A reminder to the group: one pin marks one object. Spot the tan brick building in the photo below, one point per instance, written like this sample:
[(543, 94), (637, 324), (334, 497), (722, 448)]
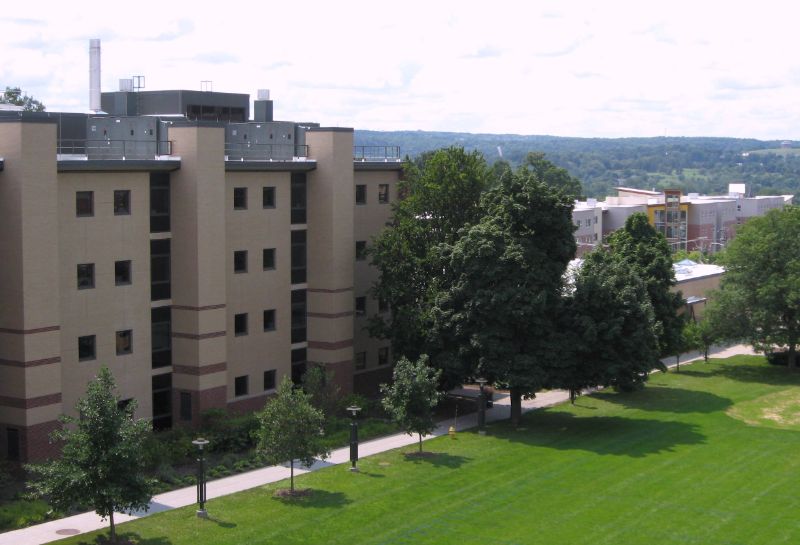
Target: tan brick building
[(200, 265)]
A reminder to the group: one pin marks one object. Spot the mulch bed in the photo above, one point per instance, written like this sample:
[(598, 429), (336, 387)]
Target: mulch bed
[(296, 493), (423, 454)]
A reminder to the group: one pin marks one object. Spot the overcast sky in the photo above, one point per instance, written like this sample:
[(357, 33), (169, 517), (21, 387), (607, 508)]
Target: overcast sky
[(567, 68)]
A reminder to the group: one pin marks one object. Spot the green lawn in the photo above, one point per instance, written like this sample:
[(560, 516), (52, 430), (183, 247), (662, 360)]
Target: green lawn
[(676, 463)]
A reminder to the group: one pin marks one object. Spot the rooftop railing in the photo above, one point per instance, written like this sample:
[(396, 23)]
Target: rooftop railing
[(115, 149), (376, 153), (249, 151)]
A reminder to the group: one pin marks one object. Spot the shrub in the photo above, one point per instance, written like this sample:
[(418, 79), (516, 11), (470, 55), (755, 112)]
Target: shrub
[(19, 513), (778, 358), (228, 433)]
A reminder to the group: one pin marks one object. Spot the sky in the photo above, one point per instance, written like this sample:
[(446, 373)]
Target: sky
[(584, 68)]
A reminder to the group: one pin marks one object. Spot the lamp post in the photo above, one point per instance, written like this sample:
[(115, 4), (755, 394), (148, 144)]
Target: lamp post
[(481, 406), (201, 477), (353, 437)]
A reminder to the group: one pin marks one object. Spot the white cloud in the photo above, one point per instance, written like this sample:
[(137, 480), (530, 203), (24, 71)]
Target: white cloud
[(583, 68)]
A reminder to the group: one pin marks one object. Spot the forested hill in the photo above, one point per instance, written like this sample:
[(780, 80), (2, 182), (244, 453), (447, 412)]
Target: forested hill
[(702, 165)]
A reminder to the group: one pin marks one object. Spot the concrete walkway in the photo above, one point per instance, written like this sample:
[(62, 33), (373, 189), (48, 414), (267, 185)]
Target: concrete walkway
[(87, 522)]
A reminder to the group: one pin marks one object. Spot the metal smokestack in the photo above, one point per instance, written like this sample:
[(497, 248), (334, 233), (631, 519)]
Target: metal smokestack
[(94, 76)]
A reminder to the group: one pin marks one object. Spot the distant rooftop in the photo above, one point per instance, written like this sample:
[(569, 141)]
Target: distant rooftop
[(689, 270)]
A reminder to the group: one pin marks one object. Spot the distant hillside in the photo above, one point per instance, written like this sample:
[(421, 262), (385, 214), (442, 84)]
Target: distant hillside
[(703, 165)]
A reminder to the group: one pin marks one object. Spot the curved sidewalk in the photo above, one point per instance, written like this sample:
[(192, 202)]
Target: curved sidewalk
[(88, 522)]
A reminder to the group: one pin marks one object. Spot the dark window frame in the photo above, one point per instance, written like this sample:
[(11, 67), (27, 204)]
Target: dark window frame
[(239, 261), (90, 346), (240, 198), (241, 386), (268, 196), (122, 202), (361, 199), (268, 259), (269, 319), (240, 324), (383, 194), (270, 380), (121, 335), (361, 250), (88, 269), (360, 306), (129, 273), (82, 209)]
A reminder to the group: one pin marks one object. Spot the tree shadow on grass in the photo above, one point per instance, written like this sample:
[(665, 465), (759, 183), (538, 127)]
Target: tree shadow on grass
[(222, 523), (606, 435), (664, 399), (760, 374), (128, 538), (438, 459), (319, 499)]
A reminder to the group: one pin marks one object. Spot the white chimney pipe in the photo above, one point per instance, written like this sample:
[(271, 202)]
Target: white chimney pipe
[(94, 75)]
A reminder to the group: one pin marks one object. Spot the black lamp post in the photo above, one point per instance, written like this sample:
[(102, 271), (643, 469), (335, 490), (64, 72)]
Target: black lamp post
[(201, 477), (353, 437), (481, 406)]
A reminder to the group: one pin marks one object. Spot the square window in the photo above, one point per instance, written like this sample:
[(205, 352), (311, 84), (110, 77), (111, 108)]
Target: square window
[(268, 258), (383, 193), (269, 320), (269, 380), (122, 272), (124, 342), (240, 324), (86, 348), (240, 261), (240, 386), (361, 250), (240, 198), (84, 203), (383, 356), (85, 276), (361, 361), (361, 194), (268, 197), (122, 202), (361, 305)]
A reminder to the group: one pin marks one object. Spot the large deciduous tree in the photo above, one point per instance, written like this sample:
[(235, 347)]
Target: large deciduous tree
[(412, 395), (759, 297), (102, 462), (439, 197), (14, 95), (291, 428), (498, 303), (609, 329), (639, 246), (554, 176)]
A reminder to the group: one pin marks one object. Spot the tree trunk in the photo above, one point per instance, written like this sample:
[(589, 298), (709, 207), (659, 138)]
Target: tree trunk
[(291, 475), (705, 353), (420, 443), (678, 363), (113, 528), (516, 406), (572, 395), (792, 357)]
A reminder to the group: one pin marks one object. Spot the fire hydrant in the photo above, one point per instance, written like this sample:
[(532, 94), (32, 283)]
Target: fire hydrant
[(452, 432)]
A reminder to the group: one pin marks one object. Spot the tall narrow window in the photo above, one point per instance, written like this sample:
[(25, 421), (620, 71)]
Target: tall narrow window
[(268, 197), (268, 258), (269, 380), (161, 387), (269, 320), (240, 324), (86, 348), (122, 273), (85, 276), (361, 194), (159, 202), (122, 202), (383, 193), (240, 198), (361, 250), (298, 197), (160, 275), (298, 257), (240, 261), (298, 316), (240, 386), (12, 438), (124, 342), (186, 406), (84, 203), (161, 335), (361, 305)]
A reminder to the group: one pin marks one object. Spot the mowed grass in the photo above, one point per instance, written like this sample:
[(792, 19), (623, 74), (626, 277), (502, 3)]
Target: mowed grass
[(666, 465)]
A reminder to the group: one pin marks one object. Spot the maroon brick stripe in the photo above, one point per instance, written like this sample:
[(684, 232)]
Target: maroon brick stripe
[(200, 337), (201, 370), (30, 403), (322, 345), (321, 290), (30, 331), (33, 363), (329, 315), (198, 309)]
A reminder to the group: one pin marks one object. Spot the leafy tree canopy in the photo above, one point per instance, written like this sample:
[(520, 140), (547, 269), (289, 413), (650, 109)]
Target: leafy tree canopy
[(646, 252), (412, 395), (102, 462), (14, 95), (554, 176), (290, 428), (759, 298)]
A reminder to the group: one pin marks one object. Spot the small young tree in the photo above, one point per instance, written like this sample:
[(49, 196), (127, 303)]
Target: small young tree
[(413, 394), (290, 428), (102, 462)]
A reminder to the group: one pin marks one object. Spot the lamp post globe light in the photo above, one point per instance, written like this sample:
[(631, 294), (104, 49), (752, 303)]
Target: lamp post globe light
[(481, 406), (200, 443), (353, 436)]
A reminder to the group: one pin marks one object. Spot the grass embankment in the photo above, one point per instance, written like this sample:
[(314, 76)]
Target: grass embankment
[(672, 464)]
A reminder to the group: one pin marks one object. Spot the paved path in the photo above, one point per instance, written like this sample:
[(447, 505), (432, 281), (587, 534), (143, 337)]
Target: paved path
[(87, 522)]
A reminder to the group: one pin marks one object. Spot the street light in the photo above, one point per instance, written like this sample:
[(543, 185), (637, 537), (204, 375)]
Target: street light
[(481, 406), (353, 436), (201, 477)]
